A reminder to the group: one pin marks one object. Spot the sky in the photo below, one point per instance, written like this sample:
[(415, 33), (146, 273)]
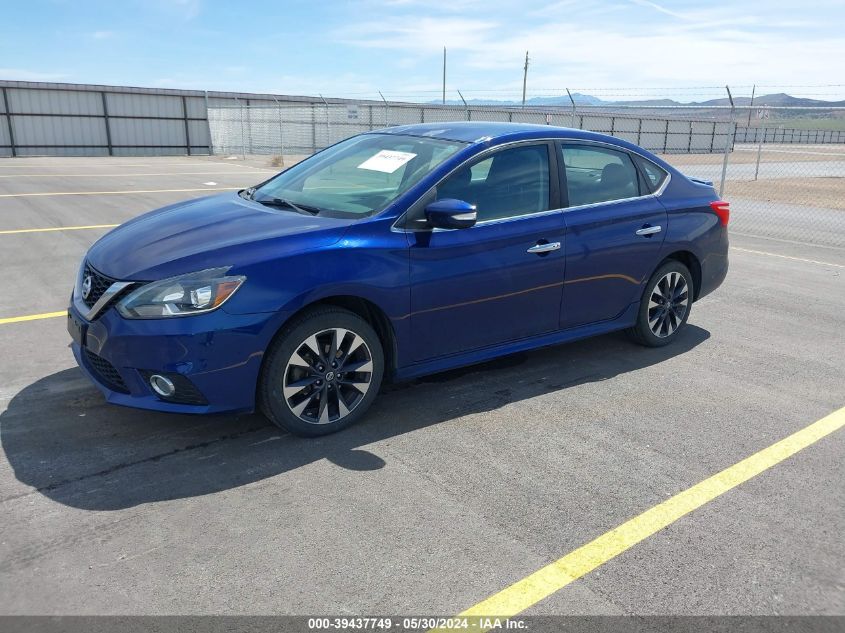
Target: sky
[(684, 49)]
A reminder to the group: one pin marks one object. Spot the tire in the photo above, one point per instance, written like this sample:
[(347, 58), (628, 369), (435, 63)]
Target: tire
[(300, 391), (656, 324)]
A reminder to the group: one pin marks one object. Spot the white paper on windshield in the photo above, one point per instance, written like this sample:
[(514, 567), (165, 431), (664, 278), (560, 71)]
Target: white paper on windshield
[(386, 161)]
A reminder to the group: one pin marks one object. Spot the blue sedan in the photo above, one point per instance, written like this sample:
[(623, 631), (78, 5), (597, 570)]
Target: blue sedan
[(391, 255)]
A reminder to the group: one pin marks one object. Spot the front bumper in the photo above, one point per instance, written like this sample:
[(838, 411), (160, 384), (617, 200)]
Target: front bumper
[(219, 353)]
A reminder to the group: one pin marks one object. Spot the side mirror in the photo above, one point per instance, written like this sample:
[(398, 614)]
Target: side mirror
[(451, 214)]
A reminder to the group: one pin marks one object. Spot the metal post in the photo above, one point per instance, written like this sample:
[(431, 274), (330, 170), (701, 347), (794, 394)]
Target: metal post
[(385, 108), (243, 139), (281, 136), (313, 127), (328, 123), (466, 107), (572, 101), (728, 143), (208, 125), (106, 121), (751, 105), (524, 78), (184, 119), (249, 125), (759, 150), (444, 75), (9, 123)]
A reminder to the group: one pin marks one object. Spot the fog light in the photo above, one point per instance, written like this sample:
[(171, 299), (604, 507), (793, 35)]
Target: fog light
[(162, 385)]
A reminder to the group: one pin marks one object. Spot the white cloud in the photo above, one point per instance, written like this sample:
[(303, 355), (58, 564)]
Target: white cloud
[(708, 47), (660, 9), (22, 74), (423, 34)]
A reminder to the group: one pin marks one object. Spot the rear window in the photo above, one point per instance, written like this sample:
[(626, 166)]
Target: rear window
[(654, 176)]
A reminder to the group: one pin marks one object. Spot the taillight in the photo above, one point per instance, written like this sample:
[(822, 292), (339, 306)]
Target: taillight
[(722, 208)]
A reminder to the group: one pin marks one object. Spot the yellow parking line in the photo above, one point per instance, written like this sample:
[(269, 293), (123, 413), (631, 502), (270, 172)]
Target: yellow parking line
[(110, 193), (25, 164), (533, 588), (128, 175), (58, 228), (33, 317)]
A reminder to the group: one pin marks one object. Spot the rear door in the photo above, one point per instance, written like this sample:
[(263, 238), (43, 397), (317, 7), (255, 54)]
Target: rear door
[(614, 232)]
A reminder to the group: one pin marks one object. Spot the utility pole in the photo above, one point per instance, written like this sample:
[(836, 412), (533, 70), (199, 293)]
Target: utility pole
[(444, 75), (524, 78)]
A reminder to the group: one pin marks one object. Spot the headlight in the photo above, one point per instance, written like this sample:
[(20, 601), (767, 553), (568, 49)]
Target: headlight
[(185, 295)]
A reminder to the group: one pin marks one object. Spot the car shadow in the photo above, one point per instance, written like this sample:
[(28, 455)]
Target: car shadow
[(66, 443)]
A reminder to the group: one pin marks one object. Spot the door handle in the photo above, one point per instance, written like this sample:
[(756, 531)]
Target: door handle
[(649, 230), (544, 248)]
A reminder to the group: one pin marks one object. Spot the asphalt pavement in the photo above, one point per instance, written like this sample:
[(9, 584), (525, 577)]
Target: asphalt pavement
[(453, 487)]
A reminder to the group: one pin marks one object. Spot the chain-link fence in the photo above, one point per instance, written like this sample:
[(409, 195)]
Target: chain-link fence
[(784, 182), (293, 131), (783, 168)]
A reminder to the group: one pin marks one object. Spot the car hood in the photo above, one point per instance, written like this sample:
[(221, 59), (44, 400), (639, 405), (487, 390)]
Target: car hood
[(221, 230)]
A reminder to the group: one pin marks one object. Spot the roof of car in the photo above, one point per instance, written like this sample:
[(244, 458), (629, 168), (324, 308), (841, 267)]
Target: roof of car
[(494, 133), (473, 131)]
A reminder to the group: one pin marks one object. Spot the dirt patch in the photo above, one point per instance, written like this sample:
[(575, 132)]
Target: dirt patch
[(815, 192), (745, 156)]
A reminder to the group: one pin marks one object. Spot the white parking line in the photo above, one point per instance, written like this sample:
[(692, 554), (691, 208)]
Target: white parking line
[(785, 241), (797, 259)]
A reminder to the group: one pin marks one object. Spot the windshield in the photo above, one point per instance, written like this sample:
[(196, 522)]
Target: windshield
[(357, 177)]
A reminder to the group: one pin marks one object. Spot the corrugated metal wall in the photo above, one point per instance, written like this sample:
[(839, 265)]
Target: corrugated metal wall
[(89, 120), (83, 120), (39, 118)]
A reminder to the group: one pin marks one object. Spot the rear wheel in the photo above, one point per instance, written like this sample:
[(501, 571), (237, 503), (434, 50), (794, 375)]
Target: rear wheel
[(322, 372), (665, 305)]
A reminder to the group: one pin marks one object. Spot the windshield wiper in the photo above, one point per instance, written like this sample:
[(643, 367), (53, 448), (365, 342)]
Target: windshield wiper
[(282, 202)]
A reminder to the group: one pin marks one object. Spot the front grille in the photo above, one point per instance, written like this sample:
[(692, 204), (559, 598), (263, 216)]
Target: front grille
[(105, 372), (99, 284)]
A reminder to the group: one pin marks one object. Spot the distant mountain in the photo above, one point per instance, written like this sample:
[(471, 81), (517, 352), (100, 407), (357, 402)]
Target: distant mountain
[(773, 100), (780, 99)]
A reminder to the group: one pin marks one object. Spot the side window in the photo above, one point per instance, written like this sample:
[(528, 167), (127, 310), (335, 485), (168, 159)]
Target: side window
[(509, 183), (596, 174), (655, 176)]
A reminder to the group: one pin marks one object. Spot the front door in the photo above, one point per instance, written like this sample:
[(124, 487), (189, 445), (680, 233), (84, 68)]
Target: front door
[(500, 280)]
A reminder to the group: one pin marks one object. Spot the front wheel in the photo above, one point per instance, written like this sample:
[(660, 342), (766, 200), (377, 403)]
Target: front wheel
[(321, 373), (665, 305)]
